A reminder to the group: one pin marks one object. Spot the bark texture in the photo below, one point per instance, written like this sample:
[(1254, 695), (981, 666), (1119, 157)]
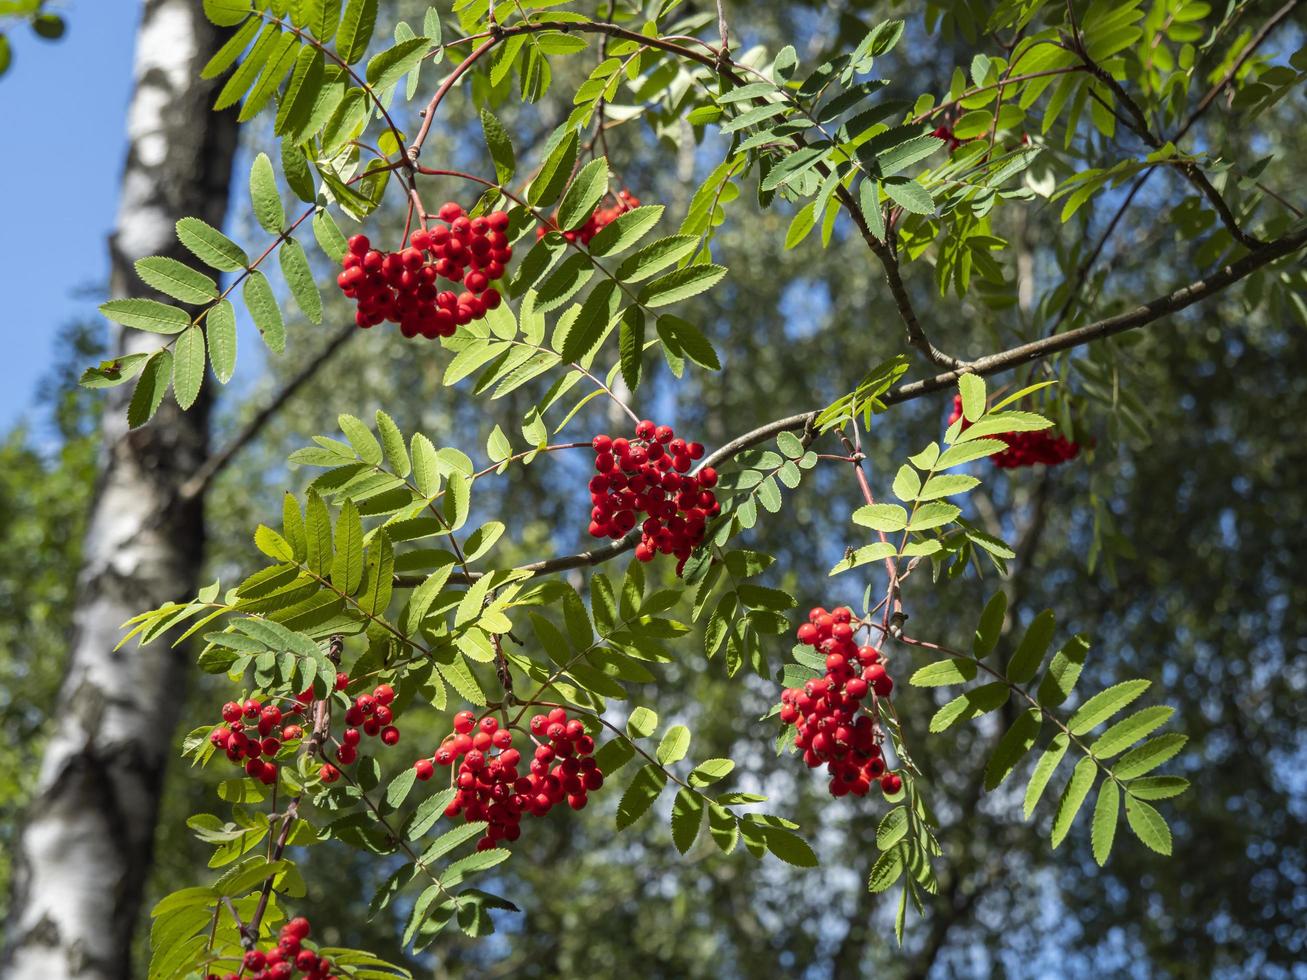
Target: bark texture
[(84, 850)]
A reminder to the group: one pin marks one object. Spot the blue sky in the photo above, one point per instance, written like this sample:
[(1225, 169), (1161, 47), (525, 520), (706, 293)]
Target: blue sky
[(63, 109)]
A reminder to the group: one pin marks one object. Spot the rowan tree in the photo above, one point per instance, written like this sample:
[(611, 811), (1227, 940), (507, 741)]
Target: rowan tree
[(554, 279)]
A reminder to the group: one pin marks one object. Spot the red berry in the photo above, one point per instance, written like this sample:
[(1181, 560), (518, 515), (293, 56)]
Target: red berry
[(390, 735)]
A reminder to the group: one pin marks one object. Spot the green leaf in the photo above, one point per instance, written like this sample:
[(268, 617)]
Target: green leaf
[(657, 255), (1105, 704), (592, 321), (957, 455), (176, 279), (220, 333), (1151, 754), (990, 626), (1044, 770), (146, 314), (935, 514), (944, 672), (226, 13), (1034, 644), (1106, 811), (626, 230), (188, 366), (426, 468), (893, 828), (675, 743), (642, 723), (681, 284), (886, 871), (1081, 782), (151, 386), (639, 796), (500, 146), (110, 374), (299, 276), (211, 246), (1012, 747), (1158, 787), (355, 30), (347, 565), (710, 771), (946, 485), (329, 236), (361, 439), (583, 196), (265, 197), (904, 155), (392, 442), (554, 173), (687, 340), (687, 818), (1063, 672), (262, 304), (968, 705), (910, 196), (631, 345), (1129, 730), (789, 847), (972, 389), (881, 517), (387, 67), (1148, 825), (723, 828)]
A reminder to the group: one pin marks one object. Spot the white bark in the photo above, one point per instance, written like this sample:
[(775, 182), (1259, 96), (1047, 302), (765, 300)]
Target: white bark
[(84, 850)]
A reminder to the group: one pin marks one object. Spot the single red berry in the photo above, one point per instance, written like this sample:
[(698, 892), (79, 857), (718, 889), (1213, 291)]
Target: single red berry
[(342, 681), (390, 735), (424, 769), (464, 722)]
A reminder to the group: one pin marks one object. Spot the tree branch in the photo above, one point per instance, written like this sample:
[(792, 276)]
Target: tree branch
[(1006, 360)]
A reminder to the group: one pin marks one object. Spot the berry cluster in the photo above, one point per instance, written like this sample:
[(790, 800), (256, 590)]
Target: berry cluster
[(253, 733), (372, 713), (823, 710), (284, 960), (650, 475), (402, 286), (1025, 448), (490, 788), (602, 217)]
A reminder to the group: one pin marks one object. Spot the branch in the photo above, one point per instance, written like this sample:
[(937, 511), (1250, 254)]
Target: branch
[(1006, 360), (1193, 173), (1254, 43), (203, 477)]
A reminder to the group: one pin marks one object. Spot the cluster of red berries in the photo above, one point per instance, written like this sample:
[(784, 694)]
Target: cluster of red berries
[(402, 286), (1025, 448), (372, 713), (253, 734), (823, 710), (602, 217), (490, 787), (650, 475), (282, 961)]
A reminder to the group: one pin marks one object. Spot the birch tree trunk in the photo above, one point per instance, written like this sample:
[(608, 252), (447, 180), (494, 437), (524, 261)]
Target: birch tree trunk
[(84, 851)]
